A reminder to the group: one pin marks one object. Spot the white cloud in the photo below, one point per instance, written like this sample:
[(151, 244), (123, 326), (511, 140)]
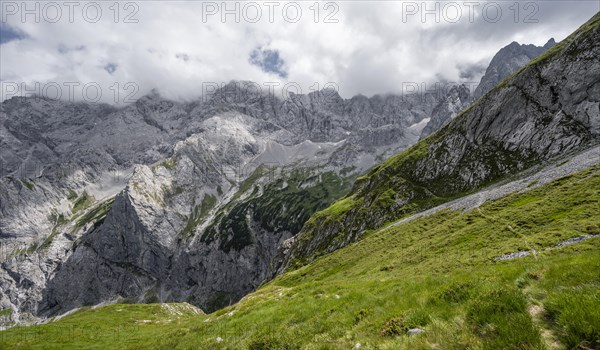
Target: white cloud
[(370, 50)]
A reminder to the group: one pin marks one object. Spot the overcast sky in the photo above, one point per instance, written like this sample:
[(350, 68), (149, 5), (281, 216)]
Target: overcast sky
[(184, 47)]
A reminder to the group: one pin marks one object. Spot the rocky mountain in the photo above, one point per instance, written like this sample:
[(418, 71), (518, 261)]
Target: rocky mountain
[(506, 62), (457, 99), (483, 235), (163, 200), (549, 109)]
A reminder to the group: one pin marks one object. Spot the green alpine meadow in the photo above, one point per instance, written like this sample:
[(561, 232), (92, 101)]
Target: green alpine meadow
[(438, 273)]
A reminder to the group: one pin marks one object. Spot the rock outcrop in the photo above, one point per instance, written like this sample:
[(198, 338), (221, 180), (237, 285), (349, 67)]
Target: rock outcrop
[(458, 98), (506, 62)]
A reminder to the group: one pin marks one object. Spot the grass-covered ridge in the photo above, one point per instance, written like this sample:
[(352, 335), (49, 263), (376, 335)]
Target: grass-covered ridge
[(437, 273), (467, 154)]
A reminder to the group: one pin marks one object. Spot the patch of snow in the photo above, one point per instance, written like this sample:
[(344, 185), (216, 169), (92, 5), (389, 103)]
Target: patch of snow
[(420, 125)]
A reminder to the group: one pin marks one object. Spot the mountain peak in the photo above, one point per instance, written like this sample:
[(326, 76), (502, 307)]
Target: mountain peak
[(550, 43), (508, 60)]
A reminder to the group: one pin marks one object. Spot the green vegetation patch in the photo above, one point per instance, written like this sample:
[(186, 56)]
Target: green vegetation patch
[(575, 315), (169, 164), (6, 312), (58, 220), (30, 185), (437, 273), (71, 195), (199, 213), (97, 214), (84, 201), (500, 318)]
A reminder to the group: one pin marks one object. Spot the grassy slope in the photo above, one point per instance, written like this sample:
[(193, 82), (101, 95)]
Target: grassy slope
[(372, 200), (437, 273), (95, 328)]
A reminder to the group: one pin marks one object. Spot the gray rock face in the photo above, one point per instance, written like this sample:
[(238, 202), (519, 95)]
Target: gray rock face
[(506, 62), (139, 251), (414, 331), (458, 98)]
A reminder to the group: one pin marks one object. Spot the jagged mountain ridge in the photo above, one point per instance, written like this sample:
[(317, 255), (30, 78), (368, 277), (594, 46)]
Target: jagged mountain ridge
[(47, 131), (59, 223), (507, 61), (458, 98)]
